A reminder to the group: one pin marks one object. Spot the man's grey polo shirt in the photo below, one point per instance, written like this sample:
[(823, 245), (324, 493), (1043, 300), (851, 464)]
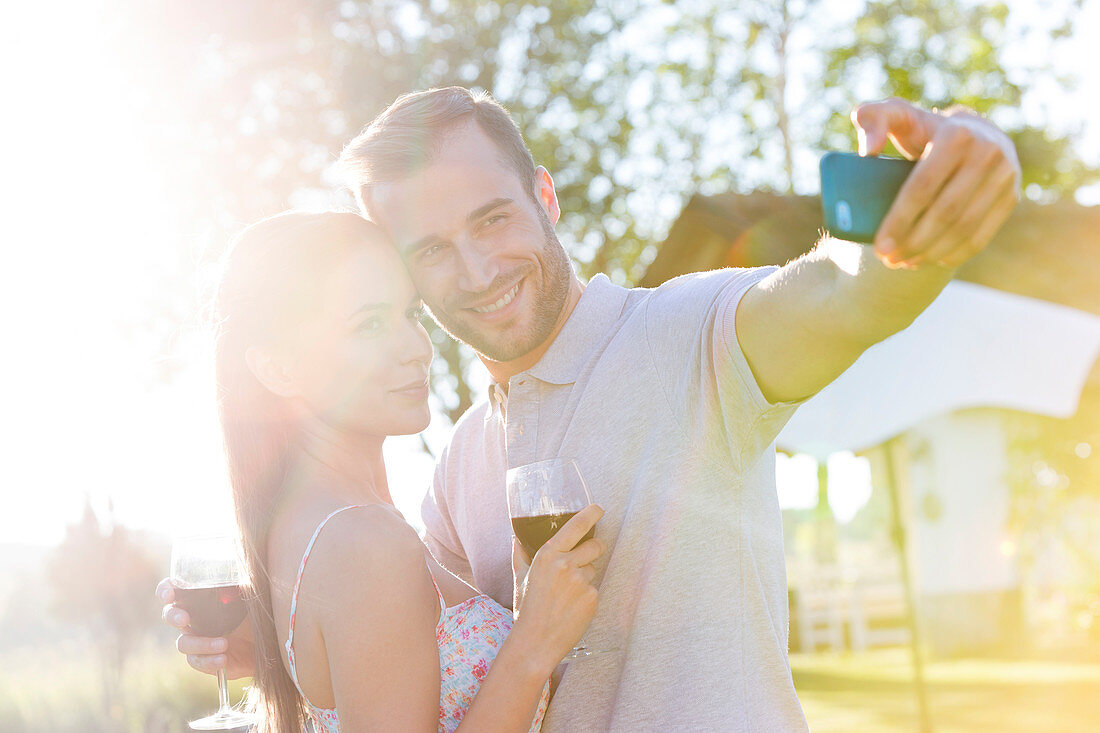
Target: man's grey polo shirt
[(650, 392)]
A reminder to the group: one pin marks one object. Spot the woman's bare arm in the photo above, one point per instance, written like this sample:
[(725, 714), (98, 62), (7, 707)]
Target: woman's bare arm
[(378, 611)]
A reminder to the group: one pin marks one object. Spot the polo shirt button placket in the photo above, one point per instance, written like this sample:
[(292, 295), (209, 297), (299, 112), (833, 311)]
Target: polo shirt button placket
[(520, 403), (519, 423)]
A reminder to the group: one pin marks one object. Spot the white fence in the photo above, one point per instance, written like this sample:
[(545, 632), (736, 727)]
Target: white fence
[(841, 609)]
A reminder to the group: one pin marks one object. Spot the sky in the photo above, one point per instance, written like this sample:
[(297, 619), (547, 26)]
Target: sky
[(85, 414)]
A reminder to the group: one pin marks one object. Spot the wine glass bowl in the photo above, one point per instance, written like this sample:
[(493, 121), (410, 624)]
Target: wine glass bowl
[(543, 496), (214, 610)]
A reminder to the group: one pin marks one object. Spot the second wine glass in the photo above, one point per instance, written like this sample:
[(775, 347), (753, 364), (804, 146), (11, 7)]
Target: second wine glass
[(542, 496)]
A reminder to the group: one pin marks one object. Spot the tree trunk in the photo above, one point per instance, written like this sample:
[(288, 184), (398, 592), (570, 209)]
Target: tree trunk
[(783, 120)]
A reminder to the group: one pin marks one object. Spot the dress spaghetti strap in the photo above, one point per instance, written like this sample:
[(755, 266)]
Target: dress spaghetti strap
[(298, 583)]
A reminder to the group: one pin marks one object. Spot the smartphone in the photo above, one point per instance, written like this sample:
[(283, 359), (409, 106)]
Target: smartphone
[(856, 192)]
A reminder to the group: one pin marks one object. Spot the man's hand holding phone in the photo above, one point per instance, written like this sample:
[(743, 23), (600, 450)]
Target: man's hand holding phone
[(962, 189)]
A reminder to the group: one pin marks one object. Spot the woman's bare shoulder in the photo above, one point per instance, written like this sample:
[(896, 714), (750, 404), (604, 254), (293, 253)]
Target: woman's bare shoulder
[(371, 529), (366, 551)]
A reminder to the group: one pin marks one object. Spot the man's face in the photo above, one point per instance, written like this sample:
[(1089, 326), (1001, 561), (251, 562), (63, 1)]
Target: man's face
[(481, 251)]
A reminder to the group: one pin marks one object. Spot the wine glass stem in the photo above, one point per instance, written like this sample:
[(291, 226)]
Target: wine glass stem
[(223, 692)]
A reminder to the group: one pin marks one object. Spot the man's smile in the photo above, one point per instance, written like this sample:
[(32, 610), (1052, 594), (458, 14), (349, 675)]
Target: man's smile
[(497, 305)]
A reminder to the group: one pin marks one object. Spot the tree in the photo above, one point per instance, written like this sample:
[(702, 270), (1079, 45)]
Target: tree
[(101, 576), (946, 52), (634, 105), (1055, 478)]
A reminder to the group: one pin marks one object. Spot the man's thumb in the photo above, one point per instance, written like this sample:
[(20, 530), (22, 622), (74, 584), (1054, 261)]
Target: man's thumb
[(871, 122), (909, 127)]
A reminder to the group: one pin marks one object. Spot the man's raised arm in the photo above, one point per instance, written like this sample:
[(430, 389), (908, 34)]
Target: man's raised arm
[(803, 325)]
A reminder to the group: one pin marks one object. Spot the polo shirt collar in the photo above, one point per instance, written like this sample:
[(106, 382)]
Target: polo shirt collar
[(600, 305)]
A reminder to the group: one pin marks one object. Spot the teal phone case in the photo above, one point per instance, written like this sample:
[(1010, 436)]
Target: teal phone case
[(856, 192)]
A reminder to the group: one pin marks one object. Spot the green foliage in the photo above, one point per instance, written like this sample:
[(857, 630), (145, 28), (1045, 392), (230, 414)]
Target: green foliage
[(634, 105), (942, 53), (1051, 168), (939, 52), (1055, 477)]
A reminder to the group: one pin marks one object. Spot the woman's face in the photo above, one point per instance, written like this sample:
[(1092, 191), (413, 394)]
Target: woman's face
[(360, 361)]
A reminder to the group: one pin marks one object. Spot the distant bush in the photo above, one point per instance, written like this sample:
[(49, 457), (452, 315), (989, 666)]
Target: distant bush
[(101, 579)]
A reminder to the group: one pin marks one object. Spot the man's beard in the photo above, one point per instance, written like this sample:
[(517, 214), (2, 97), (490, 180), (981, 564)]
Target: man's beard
[(549, 296)]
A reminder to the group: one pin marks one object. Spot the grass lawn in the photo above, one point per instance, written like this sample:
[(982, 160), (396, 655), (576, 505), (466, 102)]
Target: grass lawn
[(59, 689), (873, 691)]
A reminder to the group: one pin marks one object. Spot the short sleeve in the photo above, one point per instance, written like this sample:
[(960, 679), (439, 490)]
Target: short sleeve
[(734, 375), (703, 372), (439, 531)]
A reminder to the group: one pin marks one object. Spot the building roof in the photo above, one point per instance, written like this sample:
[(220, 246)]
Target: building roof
[(1049, 251)]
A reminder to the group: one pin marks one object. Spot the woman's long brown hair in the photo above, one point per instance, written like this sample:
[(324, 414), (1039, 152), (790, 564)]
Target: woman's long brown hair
[(274, 273)]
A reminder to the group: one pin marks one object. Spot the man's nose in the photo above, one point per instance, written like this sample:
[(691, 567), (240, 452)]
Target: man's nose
[(478, 266)]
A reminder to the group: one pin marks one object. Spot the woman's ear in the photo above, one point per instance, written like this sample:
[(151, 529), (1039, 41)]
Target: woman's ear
[(271, 374)]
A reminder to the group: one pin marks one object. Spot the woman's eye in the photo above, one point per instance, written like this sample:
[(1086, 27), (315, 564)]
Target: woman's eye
[(418, 313), (370, 325)]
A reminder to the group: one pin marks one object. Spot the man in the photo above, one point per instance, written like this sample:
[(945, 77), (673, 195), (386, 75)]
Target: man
[(669, 399)]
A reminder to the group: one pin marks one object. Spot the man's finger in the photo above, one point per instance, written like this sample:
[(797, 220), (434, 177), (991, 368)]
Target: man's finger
[(575, 529), (916, 195), (872, 122), (960, 234), (947, 222), (989, 226), (910, 127)]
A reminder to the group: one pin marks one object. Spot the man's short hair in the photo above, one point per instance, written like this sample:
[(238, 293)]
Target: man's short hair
[(407, 136)]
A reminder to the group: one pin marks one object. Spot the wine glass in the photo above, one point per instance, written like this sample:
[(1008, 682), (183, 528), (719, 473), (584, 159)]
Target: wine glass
[(542, 496), (207, 577)]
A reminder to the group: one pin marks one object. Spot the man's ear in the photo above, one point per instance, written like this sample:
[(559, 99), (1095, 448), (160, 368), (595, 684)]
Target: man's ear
[(548, 197), (272, 375)]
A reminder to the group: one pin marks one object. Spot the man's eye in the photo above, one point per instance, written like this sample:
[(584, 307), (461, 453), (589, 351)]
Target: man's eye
[(432, 251)]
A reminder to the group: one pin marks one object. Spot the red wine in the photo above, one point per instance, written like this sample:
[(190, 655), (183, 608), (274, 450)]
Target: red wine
[(533, 532), (215, 610)]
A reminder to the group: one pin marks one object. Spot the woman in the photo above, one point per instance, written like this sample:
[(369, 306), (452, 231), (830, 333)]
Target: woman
[(320, 356)]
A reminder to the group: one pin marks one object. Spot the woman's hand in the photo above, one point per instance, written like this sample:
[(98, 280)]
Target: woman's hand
[(555, 597), (234, 653)]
